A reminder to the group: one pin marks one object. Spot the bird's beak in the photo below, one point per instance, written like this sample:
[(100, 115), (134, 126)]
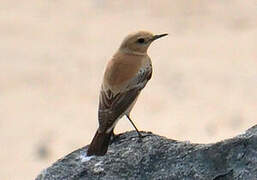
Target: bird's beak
[(159, 36)]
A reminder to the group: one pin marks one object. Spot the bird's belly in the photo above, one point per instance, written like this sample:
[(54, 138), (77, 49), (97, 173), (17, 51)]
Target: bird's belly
[(127, 112)]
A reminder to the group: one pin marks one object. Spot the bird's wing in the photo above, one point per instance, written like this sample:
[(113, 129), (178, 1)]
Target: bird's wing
[(112, 106)]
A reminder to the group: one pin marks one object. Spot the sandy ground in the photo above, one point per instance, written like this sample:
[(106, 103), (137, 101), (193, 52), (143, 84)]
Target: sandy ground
[(52, 57)]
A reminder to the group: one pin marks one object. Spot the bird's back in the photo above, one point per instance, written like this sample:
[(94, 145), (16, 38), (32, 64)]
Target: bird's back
[(122, 68)]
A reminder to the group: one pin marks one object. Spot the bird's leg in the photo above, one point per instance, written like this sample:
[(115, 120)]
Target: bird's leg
[(139, 134), (114, 137)]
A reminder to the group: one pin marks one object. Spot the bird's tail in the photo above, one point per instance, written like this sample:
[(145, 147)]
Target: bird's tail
[(99, 144)]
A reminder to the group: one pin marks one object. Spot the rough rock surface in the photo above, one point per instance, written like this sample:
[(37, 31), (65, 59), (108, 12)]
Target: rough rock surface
[(161, 158)]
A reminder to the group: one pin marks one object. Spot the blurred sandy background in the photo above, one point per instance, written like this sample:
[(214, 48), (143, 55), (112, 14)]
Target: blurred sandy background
[(52, 57)]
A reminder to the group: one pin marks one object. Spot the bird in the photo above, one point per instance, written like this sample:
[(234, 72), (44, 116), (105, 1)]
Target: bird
[(126, 74)]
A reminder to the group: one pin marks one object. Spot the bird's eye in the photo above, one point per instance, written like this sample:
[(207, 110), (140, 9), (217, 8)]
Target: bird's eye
[(141, 40)]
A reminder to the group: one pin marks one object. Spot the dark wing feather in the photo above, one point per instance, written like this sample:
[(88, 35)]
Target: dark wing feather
[(111, 106)]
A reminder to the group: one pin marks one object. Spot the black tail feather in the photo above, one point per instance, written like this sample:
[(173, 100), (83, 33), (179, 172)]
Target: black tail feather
[(99, 144)]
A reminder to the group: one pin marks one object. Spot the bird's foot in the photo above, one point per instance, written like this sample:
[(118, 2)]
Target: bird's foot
[(140, 137), (114, 137)]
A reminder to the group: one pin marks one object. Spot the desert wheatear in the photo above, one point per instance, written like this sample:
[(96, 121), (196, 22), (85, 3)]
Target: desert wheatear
[(125, 76)]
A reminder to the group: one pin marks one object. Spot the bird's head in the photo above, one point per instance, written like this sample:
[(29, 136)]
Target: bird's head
[(138, 42)]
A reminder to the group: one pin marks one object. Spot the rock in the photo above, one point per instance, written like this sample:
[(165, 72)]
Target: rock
[(161, 158)]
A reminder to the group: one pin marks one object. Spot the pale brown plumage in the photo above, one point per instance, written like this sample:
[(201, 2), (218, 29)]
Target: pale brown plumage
[(125, 76)]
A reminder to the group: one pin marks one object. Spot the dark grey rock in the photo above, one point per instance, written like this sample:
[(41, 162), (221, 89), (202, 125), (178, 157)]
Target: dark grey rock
[(161, 158)]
